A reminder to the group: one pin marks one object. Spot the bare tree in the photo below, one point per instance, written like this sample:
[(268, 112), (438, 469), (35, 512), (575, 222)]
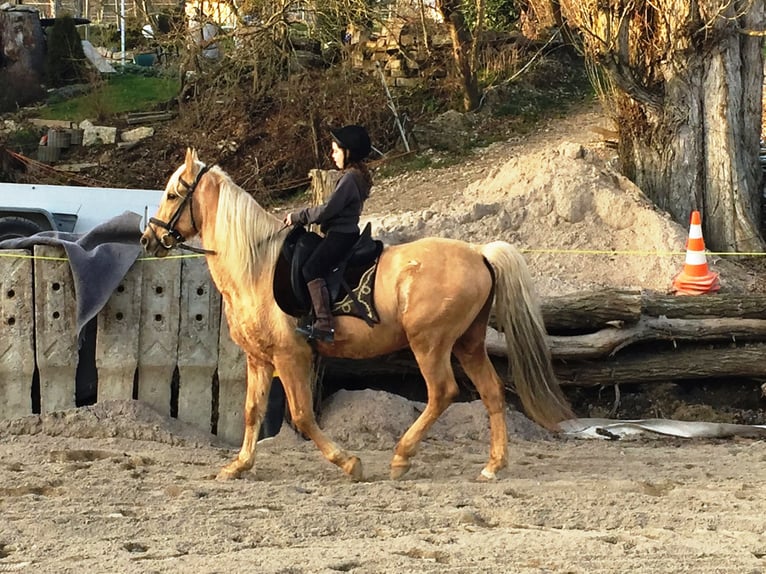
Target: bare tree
[(686, 83), (462, 49)]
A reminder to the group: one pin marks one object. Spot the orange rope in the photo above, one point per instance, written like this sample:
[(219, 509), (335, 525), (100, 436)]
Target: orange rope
[(45, 168)]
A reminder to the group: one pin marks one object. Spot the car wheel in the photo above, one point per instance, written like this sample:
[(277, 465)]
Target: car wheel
[(12, 227)]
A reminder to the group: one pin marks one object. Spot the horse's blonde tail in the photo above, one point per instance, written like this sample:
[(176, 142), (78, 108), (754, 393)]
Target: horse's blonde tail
[(518, 315)]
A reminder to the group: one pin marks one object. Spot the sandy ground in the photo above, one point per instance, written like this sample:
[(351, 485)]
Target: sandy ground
[(79, 504), (118, 488)]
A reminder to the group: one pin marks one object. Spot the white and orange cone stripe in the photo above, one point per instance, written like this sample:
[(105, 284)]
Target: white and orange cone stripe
[(695, 278)]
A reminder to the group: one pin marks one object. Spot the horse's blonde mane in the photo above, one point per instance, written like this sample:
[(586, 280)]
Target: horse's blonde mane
[(242, 229)]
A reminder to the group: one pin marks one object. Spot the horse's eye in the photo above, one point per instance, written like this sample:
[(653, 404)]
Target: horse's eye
[(172, 196)]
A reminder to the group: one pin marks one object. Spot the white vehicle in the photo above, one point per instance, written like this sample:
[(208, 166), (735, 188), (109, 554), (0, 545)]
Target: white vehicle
[(26, 209)]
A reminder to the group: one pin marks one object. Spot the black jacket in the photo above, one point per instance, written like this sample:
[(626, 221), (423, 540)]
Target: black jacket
[(342, 210)]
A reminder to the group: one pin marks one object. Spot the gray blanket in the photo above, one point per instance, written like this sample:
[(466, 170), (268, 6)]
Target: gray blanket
[(99, 259)]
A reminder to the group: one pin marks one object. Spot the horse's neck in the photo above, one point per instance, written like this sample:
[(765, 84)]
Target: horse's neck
[(246, 241), (244, 291)]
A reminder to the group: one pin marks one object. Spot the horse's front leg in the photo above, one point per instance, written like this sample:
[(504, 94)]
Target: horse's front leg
[(295, 374), (259, 377)]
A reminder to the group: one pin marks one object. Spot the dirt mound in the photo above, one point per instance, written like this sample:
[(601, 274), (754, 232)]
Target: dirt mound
[(111, 419), (581, 224), (376, 420)]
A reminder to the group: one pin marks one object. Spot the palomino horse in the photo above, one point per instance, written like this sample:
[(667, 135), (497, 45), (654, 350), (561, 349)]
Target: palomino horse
[(432, 295)]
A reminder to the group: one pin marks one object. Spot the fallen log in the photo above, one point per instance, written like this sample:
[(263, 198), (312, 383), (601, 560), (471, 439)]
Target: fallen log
[(610, 340), (671, 364), (639, 337), (742, 305), (653, 365), (592, 310)]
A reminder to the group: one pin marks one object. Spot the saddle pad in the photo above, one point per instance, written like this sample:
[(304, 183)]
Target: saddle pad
[(364, 292)]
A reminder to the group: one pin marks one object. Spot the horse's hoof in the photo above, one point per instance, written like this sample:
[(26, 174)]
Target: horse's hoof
[(399, 471), (353, 468), (227, 473), (486, 476)]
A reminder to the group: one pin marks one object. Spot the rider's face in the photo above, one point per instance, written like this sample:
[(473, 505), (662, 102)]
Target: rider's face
[(338, 156)]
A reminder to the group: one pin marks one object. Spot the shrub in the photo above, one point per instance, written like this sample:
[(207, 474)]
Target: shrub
[(20, 88), (64, 60)]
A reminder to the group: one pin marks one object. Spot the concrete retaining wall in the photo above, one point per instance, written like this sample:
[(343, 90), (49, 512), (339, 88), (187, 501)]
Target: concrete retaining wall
[(162, 327)]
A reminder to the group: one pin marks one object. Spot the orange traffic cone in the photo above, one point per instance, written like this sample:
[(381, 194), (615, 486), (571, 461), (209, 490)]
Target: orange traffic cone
[(696, 278)]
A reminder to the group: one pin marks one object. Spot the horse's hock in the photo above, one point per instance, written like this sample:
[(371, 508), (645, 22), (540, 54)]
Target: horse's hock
[(161, 327)]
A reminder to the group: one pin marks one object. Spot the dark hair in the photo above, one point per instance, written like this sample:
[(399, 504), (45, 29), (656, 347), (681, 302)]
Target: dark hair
[(363, 170)]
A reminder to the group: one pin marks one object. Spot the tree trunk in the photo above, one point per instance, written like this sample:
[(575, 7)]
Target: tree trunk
[(460, 35), (538, 17), (689, 85), (22, 58)]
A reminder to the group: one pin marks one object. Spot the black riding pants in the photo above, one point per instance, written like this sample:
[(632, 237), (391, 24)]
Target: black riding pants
[(333, 248)]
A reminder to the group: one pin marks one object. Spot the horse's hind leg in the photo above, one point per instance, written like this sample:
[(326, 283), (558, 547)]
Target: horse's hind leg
[(470, 351), (435, 366)]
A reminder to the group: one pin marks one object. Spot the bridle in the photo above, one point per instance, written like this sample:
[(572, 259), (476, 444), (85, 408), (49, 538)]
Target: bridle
[(173, 237)]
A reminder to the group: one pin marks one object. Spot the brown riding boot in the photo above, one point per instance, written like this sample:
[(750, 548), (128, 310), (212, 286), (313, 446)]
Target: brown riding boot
[(322, 329)]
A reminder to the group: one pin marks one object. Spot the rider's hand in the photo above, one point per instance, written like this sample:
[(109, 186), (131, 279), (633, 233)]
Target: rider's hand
[(287, 220)]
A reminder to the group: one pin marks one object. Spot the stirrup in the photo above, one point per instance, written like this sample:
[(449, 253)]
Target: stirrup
[(312, 333)]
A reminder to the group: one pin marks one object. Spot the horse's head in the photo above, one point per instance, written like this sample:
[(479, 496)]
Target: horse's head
[(174, 223)]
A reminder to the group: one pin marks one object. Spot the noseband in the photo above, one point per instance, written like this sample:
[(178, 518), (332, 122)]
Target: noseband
[(173, 237)]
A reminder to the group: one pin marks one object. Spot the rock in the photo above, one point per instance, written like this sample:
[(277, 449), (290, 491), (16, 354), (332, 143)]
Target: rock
[(137, 134), (448, 131), (93, 135)]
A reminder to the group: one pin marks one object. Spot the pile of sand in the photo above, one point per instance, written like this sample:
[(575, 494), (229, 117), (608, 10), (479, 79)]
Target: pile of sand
[(580, 224)]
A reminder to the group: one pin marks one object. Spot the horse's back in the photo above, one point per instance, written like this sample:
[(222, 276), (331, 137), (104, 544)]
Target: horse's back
[(426, 246), (433, 254)]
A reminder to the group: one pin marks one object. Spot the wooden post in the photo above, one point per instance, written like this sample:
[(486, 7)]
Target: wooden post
[(322, 184)]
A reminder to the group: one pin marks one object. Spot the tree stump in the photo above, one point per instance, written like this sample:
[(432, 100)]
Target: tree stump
[(22, 57), (322, 185)]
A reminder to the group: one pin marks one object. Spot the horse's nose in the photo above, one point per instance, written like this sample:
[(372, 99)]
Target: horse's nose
[(144, 241)]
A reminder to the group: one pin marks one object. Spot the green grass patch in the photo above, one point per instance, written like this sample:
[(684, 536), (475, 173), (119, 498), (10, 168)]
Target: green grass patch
[(117, 94), (418, 162), (389, 168)]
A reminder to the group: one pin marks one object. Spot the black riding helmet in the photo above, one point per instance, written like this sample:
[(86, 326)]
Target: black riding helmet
[(354, 139)]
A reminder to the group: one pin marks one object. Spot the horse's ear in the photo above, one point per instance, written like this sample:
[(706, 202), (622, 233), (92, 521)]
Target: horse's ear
[(191, 158)]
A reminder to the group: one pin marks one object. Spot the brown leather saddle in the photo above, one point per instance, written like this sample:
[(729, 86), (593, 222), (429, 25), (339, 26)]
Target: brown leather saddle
[(350, 283)]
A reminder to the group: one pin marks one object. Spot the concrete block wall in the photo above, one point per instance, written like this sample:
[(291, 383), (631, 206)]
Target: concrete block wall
[(163, 322)]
